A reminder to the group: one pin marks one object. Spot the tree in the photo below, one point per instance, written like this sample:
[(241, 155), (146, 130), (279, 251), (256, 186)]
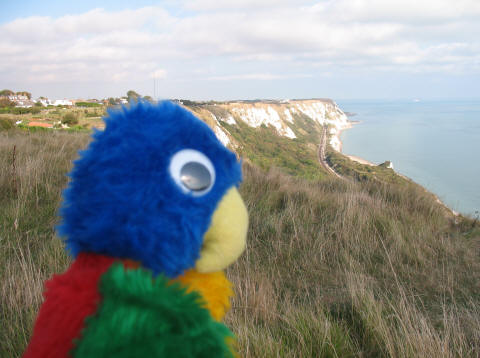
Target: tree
[(133, 95), (5, 102), (148, 98), (24, 93), (6, 93)]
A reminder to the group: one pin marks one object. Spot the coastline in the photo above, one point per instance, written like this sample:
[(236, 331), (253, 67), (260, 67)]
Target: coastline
[(336, 144), (360, 160)]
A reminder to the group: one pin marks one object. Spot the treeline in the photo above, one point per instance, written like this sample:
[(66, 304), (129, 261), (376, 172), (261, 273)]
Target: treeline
[(7, 93), (6, 105), (19, 110), (88, 104)]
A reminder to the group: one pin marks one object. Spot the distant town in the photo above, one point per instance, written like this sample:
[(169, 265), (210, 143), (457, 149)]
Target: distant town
[(23, 99), (19, 109)]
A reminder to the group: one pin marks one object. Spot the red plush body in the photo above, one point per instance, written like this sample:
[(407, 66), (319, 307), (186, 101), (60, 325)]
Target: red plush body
[(69, 299)]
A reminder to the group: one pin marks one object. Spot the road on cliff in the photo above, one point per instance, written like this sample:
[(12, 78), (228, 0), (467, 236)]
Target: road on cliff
[(322, 156)]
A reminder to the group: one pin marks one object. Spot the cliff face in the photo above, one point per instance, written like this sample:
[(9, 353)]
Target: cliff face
[(280, 115)]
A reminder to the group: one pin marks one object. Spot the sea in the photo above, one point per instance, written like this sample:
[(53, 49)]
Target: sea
[(434, 143)]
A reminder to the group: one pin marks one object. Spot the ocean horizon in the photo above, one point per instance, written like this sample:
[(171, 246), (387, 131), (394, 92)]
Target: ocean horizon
[(434, 143)]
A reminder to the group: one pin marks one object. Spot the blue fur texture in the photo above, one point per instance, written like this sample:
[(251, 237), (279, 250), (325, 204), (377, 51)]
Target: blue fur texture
[(121, 200)]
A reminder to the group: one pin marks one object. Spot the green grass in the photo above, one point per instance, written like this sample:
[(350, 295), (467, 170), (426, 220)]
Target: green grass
[(266, 149), (88, 104), (362, 172), (365, 268)]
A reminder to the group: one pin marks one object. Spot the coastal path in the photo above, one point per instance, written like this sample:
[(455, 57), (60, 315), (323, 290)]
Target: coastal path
[(322, 156)]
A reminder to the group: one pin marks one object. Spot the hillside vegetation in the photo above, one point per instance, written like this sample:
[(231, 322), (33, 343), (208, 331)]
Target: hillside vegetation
[(361, 268)]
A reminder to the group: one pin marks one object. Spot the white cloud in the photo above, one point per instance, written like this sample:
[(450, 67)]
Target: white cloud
[(256, 76), (256, 40), (221, 5), (405, 11), (158, 74)]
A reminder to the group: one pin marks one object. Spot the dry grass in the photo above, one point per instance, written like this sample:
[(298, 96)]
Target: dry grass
[(332, 269), (32, 177), (336, 269)]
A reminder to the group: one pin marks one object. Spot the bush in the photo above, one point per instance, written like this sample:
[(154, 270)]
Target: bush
[(70, 119), (5, 124)]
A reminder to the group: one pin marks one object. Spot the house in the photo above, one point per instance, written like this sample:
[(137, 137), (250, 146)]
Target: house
[(58, 102), (24, 103), (16, 97), (20, 100), (44, 101), (63, 102)]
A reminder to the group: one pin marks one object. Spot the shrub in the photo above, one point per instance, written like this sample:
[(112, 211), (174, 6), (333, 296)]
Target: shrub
[(70, 119), (5, 124)]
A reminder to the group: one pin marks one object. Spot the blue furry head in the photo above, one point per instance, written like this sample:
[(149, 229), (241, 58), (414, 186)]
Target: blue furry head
[(123, 201)]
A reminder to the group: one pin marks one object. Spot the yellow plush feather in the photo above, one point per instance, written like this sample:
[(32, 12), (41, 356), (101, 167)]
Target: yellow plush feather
[(214, 287)]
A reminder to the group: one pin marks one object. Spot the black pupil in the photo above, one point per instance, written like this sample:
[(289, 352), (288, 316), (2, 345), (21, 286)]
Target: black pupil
[(195, 176)]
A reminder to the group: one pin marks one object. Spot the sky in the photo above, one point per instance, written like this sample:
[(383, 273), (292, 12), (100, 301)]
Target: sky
[(244, 49)]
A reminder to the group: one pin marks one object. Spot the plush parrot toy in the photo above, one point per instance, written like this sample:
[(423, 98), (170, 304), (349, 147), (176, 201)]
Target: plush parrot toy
[(151, 216)]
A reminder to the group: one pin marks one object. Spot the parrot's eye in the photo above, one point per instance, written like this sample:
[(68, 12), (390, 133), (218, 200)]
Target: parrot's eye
[(195, 176), (192, 171)]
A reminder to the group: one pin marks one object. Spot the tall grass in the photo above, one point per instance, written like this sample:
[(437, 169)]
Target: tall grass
[(32, 175), (332, 268), (338, 269)]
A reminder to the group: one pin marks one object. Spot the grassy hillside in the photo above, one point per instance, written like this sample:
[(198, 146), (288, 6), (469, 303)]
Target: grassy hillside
[(339, 269), (332, 269), (361, 172), (265, 148)]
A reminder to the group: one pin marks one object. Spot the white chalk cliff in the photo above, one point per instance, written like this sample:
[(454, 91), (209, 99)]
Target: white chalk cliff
[(277, 114)]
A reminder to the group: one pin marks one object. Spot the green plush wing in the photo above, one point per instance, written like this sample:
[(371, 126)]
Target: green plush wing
[(144, 317)]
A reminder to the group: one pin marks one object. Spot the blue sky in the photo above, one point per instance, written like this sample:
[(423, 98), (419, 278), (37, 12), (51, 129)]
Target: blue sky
[(12, 10), (244, 49)]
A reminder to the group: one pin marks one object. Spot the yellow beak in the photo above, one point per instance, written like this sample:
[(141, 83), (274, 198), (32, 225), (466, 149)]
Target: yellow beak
[(226, 237)]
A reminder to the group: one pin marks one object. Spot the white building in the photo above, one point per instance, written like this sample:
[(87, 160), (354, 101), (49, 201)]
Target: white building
[(58, 102), (63, 102)]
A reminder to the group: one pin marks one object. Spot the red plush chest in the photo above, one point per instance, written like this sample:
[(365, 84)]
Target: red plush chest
[(69, 299)]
